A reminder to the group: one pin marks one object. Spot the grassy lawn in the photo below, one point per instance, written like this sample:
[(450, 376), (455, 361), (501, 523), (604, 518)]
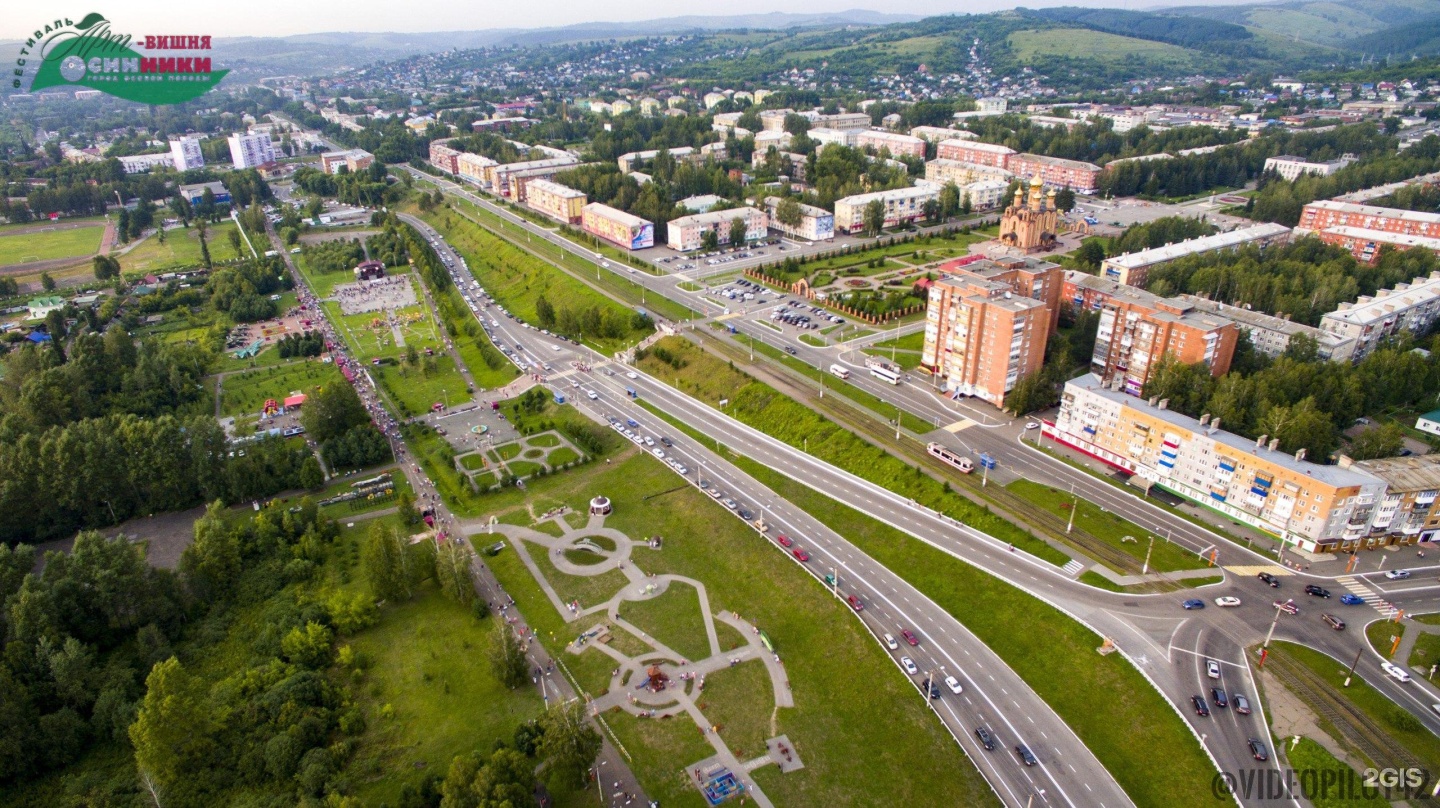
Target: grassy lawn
[(42, 245), (1380, 634), (841, 678), (323, 283), (523, 468), (1138, 737), (738, 700), (811, 339), (909, 360), (1401, 726), (1095, 579), (247, 392), (1426, 651), (672, 619), (371, 336), (1337, 785), (180, 250), (561, 456), (907, 342), (544, 440), (588, 589), (416, 389), (1109, 527), (473, 462)]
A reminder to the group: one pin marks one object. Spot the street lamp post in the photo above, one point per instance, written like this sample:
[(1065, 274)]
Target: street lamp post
[(1145, 570), (1074, 506), (1274, 621)]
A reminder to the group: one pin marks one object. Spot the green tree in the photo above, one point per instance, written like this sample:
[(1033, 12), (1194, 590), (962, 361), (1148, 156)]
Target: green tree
[(788, 213), (408, 513), (949, 200), (1302, 426), (931, 211), (452, 570), (506, 780), (331, 411), (569, 744), (233, 235), (106, 267), (311, 475), (173, 728), (1385, 440), (709, 241), (1065, 200), (308, 647), (544, 312), (211, 563), (507, 658), (1090, 255), (386, 564), (874, 220), (46, 282), (737, 231)]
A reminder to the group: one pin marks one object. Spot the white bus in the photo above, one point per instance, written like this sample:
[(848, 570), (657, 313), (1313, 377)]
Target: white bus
[(949, 456), (885, 375), (841, 371)]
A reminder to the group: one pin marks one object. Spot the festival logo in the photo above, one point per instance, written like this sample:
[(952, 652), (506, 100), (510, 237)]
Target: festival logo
[(91, 55)]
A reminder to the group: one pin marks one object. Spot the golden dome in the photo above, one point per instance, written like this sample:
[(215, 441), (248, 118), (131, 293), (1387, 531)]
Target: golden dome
[(1036, 182)]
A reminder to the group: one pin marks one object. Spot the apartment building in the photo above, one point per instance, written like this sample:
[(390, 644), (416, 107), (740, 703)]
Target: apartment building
[(352, 160), (141, 163), (764, 141), (1407, 513), (935, 134), (444, 157), (1314, 507), (901, 205), (1271, 335), (1409, 307), (981, 336), (943, 170), (557, 201), (474, 167), (1080, 177), (1319, 216), (507, 179), (1289, 166), (186, 154), (1133, 269), (984, 194), (617, 226), (840, 120), (816, 224), (249, 151), (1365, 243), (899, 145), (633, 160), (798, 163), (688, 232), (966, 151), (1138, 329), (825, 136)]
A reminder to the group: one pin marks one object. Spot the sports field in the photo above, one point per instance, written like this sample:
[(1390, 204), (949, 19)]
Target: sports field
[(29, 245)]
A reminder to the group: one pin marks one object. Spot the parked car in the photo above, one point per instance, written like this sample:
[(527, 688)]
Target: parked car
[(1397, 575), (1201, 708), (890, 642)]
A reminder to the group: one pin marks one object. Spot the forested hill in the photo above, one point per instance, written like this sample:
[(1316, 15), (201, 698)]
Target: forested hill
[(1190, 32)]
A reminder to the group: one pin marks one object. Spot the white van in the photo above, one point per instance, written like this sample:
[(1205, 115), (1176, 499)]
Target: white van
[(890, 642)]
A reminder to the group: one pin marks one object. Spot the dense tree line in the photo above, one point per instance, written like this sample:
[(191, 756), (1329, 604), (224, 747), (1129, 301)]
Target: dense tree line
[(1421, 197), (340, 255), (1094, 142), (1302, 280), (242, 291), (310, 343), (1280, 200), (367, 188)]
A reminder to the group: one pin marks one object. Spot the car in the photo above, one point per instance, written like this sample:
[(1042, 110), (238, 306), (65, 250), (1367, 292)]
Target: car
[(933, 689), (1193, 603), (1218, 696), (831, 581), (1317, 591), (789, 350), (631, 375), (800, 554), (1212, 669), (1026, 756), (1351, 599), (784, 540), (716, 493), (1227, 600), (1286, 606), (744, 514), (890, 642), (1397, 575), (574, 383), (855, 603), (987, 738), (590, 394), (954, 685), (669, 444), (909, 665), (1396, 672), (1201, 708), (1258, 750), (1240, 703), (1032, 425), (649, 441), (1269, 579), (1333, 621), (731, 504), (910, 637), (658, 452)]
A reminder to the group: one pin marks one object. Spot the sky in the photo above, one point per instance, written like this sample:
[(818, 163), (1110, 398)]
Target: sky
[(284, 17)]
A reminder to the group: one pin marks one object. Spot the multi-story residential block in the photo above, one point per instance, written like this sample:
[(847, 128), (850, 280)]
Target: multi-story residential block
[(1315, 507), (1366, 243), (633, 160), (901, 205), (764, 141), (816, 224), (773, 120), (899, 145), (474, 167), (186, 154), (966, 151), (555, 200), (987, 322), (1408, 512), (249, 151), (140, 163), (935, 134), (1134, 268), (1271, 335), (1411, 307), (943, 170), (991, 105), (839, 120), (1080, 177), (352, 160), (826, 136), (444, 157), (1138, 329), (1319, 216), (617, 226), (502, 178), (984, 194), (1289, 166), (688, 232), (796, 163)]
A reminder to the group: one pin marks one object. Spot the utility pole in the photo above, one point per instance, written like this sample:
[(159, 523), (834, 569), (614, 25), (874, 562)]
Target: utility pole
[(1351, 672), (1271, 632), (1074, 506), (1145, 570)]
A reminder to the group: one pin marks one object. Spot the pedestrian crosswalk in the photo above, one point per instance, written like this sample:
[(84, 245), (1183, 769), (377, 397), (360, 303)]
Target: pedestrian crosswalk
[(1358, 587), (963, 423), (1256, 569), (1073, 568)]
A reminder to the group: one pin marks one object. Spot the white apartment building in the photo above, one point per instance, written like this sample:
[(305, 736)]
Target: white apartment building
[(1290, 166), (688, 232), (1271, 335), (960, 172), (185, 153), (1133, 269), (833, 137), (141, 163), (1410, 307), (901, 205), (249, 151), (816, 224), (898, 145)]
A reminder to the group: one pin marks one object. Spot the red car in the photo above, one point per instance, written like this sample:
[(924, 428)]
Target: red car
[(784, 540), (855, 603), (800, 554), (910, 637), (1286, 607)]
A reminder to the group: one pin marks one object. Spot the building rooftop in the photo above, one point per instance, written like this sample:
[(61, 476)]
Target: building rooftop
[(978, 146), (614, 214), (1165, 309), (1371, 210), (1217, 241), (1385, 237), (895, 193), (1331, 475), (805, 210), (555, 188), (1385, 301), (1058, 161), (713, 217), (1417, 473), (1366, 194)]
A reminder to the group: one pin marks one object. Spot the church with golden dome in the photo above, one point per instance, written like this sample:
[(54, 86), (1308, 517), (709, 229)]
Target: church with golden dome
[(1031, 226)]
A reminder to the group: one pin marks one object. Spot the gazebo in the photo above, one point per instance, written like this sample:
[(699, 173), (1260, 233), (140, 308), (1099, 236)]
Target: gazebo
[(600, 505)]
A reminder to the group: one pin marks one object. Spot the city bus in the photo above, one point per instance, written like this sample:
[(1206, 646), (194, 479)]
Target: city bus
[(951, 457), (841, 371), (885, 375)]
